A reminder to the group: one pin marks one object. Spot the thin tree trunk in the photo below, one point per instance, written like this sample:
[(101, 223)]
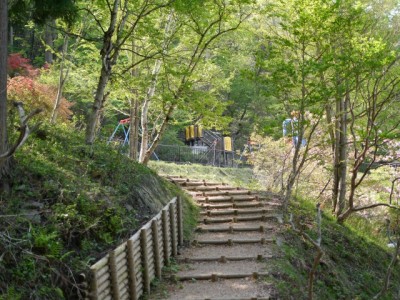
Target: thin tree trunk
[(105, 74), (61, 81), (149, 96), (343, 155), (331, 131), (4, 164), (134, 132), (145, 110), (134, 112), (157, 139), (389, 271), (336, 155)]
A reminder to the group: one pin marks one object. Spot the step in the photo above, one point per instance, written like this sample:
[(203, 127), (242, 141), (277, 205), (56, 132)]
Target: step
[(226, 193), (239, 219), (231, 205), (178, 179), (200, 183), (236, 212), (215, 276), (231, 242), (226, 199), (232, 289), (223, 259), (219, 236), (232, 229), (211, 188), (226, 250), (199, 269)]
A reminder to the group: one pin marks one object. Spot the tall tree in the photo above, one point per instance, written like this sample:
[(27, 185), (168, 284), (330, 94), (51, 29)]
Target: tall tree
[(124, 18), (198, 29), (4, 163)]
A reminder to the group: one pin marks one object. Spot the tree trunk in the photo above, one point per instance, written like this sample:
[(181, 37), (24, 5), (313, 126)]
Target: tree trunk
[(343, 155), (105, 73), (134, 113), (157, 139), (4, 164), (11, 38), (61, 81), (143, 156), (134, 132), (145, 109), (336, 154), (49, 42), (98, 104)]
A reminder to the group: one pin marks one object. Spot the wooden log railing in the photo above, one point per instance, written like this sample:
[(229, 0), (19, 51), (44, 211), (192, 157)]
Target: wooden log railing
[(127, 271)]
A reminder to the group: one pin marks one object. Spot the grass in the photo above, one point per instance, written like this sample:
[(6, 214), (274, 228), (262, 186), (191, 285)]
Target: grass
[(242, 177), (354, 262)]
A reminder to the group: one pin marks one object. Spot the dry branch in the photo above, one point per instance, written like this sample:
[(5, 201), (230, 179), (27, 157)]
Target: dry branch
[(24, 130), (316, 243)]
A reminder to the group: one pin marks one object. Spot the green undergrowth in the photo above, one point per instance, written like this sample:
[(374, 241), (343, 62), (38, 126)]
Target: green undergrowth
[(68, 206), (354, 263), (242, 177)]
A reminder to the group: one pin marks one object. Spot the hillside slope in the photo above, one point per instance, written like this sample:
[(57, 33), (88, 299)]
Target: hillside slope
[(67, 207)]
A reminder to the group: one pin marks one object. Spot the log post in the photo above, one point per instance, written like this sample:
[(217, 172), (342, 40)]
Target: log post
[(165, 236), (145, 261), (114, 277), (132, 270), (180, 221), (156, 242), (93, 284), (173, 230)]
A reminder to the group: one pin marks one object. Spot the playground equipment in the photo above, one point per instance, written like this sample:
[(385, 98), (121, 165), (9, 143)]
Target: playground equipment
[(202, 146), (125, 126)]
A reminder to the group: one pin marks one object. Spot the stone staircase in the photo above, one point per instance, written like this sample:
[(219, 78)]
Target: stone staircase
[(235, 239)]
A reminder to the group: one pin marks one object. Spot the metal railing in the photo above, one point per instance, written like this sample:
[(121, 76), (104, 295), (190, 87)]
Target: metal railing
[(195, 154)]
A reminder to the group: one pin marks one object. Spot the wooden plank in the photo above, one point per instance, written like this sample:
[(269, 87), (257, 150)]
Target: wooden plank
[(122, 264), (105, 296), (120, 249), (104, 287), (101, 263), (123, 291), (122, 273), (102, 271), (102, 279), (140, 290), (93, 284)]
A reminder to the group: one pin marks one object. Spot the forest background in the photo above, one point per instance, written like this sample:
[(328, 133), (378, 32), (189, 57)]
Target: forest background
[(238, 66)]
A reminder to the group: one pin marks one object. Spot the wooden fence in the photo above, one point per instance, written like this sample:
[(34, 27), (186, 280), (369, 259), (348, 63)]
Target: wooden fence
[(127, 271)]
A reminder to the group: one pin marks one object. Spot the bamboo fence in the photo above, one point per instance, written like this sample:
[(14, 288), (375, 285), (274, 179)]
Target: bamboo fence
[(127, 271)]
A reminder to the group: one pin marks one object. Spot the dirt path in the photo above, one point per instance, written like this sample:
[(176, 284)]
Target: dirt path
[(231, 250)]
